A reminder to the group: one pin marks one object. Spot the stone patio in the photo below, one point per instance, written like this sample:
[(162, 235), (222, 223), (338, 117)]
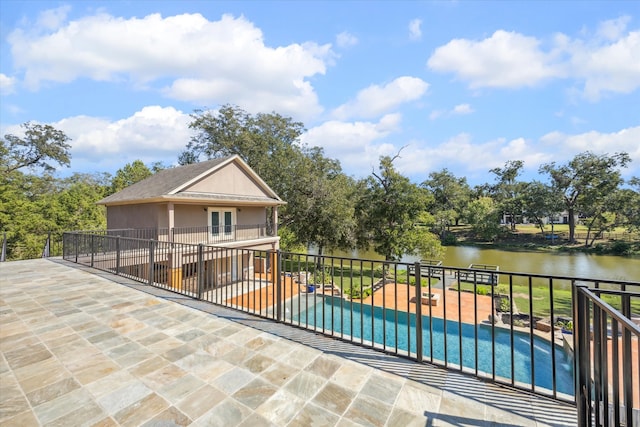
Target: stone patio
[(82, 347)]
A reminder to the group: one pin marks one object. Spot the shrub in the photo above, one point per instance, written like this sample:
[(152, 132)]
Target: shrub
[(621, 248), (482, 290)]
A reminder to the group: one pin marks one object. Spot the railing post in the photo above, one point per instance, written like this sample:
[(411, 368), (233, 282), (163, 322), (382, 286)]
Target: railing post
[(278, 284), (582, 340), (151, 262), (627, 364), (418, 276), (117, 255), (75, 245), (200, 270), (93, 250)]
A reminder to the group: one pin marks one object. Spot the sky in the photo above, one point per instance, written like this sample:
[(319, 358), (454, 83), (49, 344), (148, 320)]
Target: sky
[(461, 85)]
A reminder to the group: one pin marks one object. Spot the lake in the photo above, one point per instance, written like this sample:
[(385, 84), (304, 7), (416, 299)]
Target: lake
[(575, 264)]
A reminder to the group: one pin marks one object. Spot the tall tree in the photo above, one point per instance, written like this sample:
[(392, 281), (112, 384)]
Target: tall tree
[(539, 201), (323, 206), (265, 141), (390, 210), (507, 191), (41, 147), (483, 214), (130, 174), (585, 178), (451, 196), (312, 185)]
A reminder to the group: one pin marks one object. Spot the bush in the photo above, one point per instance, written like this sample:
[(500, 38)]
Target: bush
[(482, 290), (449, 239), (621, 248), (505, 306)]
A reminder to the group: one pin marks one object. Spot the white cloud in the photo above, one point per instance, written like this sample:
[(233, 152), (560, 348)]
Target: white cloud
[(608, 61), (567, 146), (358, 145), (506, 59), (376, 100), (52, 19), (415, 30), (346, 39), (7, 84), (152, 134), (458, 110), (613, 67), (209, 61), (463, 109), (614, 28)]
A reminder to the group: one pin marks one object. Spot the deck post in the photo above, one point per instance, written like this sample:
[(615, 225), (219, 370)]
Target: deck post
[(582, 338), (151, 262), (277, 282), (200, 269), (117, 255), (418, 277)]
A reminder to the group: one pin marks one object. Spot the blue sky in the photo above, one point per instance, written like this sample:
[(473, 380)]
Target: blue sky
[(462, 85)]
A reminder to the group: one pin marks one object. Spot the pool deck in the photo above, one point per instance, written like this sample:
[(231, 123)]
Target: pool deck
[(82, 347)]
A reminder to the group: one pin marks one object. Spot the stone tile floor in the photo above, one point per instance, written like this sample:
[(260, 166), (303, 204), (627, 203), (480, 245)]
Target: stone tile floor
[(81, 347)]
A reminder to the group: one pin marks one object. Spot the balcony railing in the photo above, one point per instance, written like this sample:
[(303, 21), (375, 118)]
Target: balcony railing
[(520, 332), (193, 235)]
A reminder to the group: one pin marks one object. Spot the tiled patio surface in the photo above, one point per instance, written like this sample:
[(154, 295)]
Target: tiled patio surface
[(80, 347)]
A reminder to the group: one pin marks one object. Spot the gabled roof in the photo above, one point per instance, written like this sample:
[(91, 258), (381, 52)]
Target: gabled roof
[(173, 185)]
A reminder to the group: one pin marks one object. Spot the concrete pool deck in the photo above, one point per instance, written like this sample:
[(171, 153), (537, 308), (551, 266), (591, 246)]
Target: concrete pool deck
[(82, 347)]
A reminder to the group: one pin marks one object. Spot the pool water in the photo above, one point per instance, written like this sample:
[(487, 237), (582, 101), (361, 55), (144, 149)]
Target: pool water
[(357, 320)]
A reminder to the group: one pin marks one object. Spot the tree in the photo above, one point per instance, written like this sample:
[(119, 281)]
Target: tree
[(267, 142), (451, 196), (42, 146), (539, 201), (389, 212), (319, 205), (483, 214), (584, 179), (507, 190), (323, 206), (130, 174), (628, 207)]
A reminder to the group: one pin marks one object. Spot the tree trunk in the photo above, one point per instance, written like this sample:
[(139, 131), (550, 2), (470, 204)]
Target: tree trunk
[(572, 225)]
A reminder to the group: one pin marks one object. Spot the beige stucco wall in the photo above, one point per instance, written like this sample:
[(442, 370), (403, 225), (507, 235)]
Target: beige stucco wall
[(228, 180), (190, 216), (251, 216), (133, 216)]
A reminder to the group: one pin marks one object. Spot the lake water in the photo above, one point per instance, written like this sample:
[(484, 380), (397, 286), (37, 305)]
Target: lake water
[(561, 264)]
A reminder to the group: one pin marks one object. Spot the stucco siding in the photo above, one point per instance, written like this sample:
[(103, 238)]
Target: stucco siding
[(133, 216), (190, 216), (252, 216), (231, 180)]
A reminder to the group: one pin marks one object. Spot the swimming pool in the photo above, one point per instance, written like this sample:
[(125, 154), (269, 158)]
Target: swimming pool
[(379, 326)]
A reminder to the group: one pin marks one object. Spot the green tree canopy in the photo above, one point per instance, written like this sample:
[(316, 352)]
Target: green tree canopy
[(507, 191), (130, 174), (41, 147), (451, 196), (584, 179), (389, 212)]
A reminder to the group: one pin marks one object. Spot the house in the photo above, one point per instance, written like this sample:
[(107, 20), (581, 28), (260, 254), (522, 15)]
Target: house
[(220, 203)]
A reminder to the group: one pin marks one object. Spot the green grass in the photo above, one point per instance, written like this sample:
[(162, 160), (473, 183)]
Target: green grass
[(541, 298)]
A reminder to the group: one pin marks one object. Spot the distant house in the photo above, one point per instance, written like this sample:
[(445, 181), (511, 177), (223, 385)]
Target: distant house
[(217, 203)]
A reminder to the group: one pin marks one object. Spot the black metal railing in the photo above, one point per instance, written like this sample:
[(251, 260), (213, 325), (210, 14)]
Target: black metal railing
[(193, 235), (17, 246), (608, 350), (519, 332)]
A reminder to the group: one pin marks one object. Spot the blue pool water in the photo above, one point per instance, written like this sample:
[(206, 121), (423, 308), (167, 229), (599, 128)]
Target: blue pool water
[(356, 320)]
